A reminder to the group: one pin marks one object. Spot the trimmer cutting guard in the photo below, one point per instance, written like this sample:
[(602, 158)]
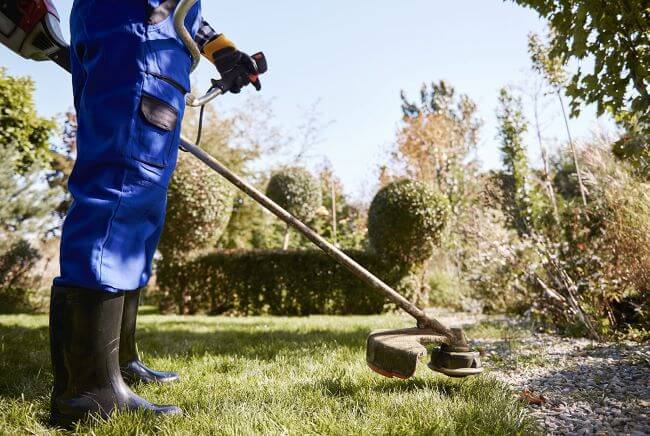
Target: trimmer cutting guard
[(395, 353)]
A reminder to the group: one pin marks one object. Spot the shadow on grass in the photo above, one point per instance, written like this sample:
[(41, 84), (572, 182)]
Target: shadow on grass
[(247, 342), (346, 387), (25, 370)]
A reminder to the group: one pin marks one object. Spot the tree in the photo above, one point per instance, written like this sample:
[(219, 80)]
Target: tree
[(435, 143), (63, 161), (552, 70), (515, 183), (21, 128), (251, 227), (27, 202), (536, 94), (24, 157), (239, 139), (616, 35), (341, 221)]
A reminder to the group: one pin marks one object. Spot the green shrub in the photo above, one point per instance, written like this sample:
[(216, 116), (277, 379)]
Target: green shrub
[(405, 221), (16, 279), (297, 191), (308, 282), (256, 282), (199, 206)]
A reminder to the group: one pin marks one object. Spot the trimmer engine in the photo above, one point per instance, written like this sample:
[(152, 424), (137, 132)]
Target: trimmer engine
[(31, 28)]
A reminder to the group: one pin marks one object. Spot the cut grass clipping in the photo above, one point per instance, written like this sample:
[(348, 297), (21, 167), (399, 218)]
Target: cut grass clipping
[(262, 375)]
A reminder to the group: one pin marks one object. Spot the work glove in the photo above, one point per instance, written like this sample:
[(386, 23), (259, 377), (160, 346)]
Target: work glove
[(237, 69)]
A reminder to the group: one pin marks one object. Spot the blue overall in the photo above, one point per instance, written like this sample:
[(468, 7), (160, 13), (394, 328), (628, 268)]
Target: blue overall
[(130, 78)]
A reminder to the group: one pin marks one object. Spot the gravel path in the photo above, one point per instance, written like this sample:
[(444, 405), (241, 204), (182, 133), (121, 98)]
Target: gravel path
[(576, 386), (572, 386)]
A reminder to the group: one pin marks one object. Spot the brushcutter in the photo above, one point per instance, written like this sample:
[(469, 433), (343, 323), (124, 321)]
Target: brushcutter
[(31, 29)]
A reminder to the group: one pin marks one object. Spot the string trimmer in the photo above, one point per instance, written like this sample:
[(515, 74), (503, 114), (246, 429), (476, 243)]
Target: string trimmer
[(31, 28)]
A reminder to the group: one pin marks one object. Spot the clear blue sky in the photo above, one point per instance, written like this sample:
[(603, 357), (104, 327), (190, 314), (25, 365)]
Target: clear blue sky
[(355, 57)]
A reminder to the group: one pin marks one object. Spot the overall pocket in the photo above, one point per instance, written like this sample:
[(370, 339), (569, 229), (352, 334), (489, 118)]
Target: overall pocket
[(160, 11), (160, 113), (166, 53)]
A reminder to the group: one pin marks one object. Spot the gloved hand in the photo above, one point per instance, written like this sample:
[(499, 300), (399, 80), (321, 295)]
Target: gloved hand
[(237, 69)]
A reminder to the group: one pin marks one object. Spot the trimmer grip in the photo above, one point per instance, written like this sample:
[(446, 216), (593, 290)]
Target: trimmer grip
[(260, 60)]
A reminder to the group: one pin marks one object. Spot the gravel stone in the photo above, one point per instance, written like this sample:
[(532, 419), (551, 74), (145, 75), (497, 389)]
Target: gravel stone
[(588, 387)]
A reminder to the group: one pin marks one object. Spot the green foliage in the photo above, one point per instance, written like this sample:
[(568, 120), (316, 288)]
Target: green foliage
[(616, 35), (350, 229), (238, 139), (436, 141), (307, 281), (297, 191), (26, 201), (304, 282), (636, 151), (619, 243), (512, 127), (24, 153), (251, 227), (199, 207), (405, 222), (442, 99), (63, 162), (547, 66), (21, 129), (585, 275), (16, 276)]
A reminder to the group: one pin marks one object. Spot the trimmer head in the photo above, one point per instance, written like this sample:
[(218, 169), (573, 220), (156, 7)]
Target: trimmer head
[(395, 353), (456, 363)]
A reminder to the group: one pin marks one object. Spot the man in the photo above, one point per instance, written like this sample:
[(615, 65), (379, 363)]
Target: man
[(130, 76)]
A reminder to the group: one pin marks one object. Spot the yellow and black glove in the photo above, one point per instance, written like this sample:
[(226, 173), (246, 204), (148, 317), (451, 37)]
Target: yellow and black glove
[(237, 69)]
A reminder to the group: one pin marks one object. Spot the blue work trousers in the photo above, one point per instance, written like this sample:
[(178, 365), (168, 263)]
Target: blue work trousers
[(130, 74)]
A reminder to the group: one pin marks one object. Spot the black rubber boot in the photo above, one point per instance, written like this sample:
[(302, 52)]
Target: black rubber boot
[(84, 341), (133, 370)]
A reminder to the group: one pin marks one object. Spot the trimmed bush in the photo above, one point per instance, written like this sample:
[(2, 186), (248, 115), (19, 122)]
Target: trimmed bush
[(304, 282), (199, 206), (297, 191), (405, 221)]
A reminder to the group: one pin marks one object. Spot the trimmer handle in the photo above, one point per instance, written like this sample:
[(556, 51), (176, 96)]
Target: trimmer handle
[(227, 82), (218, 87), (260, 61)]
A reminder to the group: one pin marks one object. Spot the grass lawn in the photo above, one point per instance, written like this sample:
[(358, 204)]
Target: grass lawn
[(262, 375)]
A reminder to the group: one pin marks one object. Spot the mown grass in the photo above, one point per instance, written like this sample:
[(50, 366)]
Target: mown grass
[(262, 376)]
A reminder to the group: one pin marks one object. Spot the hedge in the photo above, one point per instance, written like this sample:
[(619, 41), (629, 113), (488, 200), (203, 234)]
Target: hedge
[(405, 221), (301, 282)]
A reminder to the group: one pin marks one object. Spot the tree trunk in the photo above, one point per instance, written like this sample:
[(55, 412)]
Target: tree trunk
[(287, 237), (334, 229), (583, 191), (547, 172)]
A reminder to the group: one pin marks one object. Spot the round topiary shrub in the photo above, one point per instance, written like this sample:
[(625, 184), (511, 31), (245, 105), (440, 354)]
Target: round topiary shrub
[(297, 191), (405, 221), (199, 206)]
